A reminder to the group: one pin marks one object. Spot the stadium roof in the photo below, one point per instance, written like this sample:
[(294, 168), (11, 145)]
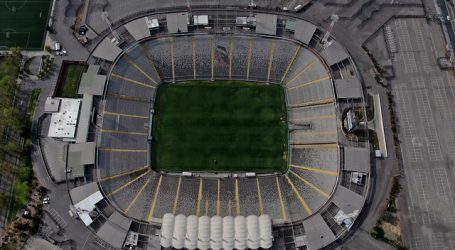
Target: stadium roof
[(347, 200), (266, 24), (91, 82), (64, 122), (335, 53), (115, 230), (51, 105), (107, 50), (138, 28), (357, 159), (304, 31), (79, 155), (84, 118), (177, 22), (318, 232), (348, 88), (79, 193), (84, 207)]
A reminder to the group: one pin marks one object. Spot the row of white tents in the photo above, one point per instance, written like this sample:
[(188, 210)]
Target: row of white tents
[(215, 233)]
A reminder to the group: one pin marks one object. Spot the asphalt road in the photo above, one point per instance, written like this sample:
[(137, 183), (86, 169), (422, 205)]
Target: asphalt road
[(448, 24)]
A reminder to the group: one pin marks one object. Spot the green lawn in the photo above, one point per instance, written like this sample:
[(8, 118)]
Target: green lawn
[(70, 83), (23, 23), (219, 127)]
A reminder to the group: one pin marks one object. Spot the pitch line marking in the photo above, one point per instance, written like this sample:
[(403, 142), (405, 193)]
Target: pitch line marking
[(123, 150), (127, 58), (310, 82), (302, 201), (137, 195), (123, 174), (127, 184), (152, 208), (131, 80), (280, 196), (326, 195), (258, 187), (296, 52), (125, 115), (237, 200), (305, 67), (174, 207), (121, 132), (318, 170)]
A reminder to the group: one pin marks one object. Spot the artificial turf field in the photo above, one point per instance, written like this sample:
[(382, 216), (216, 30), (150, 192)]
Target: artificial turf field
[(23, 23), (219, 127)]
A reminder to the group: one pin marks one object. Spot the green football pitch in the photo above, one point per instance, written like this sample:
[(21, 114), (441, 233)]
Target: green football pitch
[(219, 127), (23, 23)]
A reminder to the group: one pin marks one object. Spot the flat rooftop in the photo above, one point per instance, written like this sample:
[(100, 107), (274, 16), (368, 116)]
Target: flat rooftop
[(64, 122)]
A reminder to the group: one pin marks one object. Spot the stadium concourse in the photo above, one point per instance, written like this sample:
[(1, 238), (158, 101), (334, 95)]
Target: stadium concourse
[(315, 202)]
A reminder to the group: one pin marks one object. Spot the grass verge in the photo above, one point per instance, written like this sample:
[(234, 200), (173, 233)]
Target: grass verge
[(70, 83)]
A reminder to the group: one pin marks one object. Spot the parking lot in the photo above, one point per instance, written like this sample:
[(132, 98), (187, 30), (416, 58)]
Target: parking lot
[(424, 101)]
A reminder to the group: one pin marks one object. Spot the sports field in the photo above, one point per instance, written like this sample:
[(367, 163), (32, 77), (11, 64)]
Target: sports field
[(23, 23), (219, 127)]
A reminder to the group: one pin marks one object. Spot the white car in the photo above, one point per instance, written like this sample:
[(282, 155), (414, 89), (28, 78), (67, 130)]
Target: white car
[(45, 202), (46, 198), (448, 18)]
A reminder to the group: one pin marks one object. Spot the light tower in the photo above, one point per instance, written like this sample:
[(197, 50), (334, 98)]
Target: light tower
[(105, 17), (325, 42)]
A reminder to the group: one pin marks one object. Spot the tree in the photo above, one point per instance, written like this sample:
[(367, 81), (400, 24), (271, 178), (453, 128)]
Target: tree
[(10, 117), (3, 200), (10, 148), (6, 169)]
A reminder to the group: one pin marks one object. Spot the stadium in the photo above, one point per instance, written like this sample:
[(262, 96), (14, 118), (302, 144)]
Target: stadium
[(221, 138)]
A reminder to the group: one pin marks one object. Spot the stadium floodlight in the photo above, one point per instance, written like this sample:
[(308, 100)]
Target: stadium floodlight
[(105, 17), (325, 39)]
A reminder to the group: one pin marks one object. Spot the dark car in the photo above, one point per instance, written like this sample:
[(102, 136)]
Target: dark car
[(82, 30)]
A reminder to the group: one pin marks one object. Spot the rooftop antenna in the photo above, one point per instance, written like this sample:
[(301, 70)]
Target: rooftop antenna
[(325, 39), (105, 17)]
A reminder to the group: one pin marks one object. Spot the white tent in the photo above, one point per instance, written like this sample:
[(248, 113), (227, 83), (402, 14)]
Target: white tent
[(203, 242), (216, 233), (167, 230), (228, 233), (191, 232), (252, 225), (240, 232), (178, 241), (265, 231)]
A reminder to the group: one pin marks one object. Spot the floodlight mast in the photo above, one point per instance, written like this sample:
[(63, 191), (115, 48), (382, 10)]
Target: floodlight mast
[(105, 17), (325, 39)]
